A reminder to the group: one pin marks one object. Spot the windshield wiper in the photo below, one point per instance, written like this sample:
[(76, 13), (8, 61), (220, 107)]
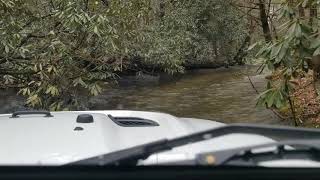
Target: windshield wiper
[(131, 156), (252, 155)]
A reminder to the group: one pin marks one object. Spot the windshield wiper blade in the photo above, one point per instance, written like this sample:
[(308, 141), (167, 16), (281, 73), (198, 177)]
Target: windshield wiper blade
[(131, 156), (251, 155)]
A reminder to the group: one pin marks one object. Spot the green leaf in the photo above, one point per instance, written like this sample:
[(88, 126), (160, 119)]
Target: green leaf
[(306, 28), (316, 52), (6, 49), (24, 91), (305, 3), (34, 100), (264, 50), (282, 53), (278, 100), (96, 31), (270, 65), (252, 46), (292, 30), (315, 43), (51, 33), (298, 32), (49, 90), (95, 89), (79, 81), (275, 51), (265, 92), (52, 90), (270, 99)]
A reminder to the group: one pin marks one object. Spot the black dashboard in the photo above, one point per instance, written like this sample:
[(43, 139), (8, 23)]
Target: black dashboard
[(159, 172)]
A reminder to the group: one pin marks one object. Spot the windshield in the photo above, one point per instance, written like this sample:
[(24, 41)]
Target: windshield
[(130, 73)]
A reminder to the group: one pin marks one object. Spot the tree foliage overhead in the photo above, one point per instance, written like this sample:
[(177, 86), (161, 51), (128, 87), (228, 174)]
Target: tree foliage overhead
[(54, 50)]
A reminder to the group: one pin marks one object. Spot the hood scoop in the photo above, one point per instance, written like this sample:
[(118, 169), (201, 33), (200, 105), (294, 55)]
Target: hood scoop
[(132, 121)]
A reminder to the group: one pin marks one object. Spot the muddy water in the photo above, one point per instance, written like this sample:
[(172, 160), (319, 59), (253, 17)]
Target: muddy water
[(224, 95)]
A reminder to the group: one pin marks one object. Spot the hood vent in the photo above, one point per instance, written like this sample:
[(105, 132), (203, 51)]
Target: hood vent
[(133, 121)]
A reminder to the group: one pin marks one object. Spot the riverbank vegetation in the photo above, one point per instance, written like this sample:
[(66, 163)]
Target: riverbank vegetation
[(55, 50), (292, 55)]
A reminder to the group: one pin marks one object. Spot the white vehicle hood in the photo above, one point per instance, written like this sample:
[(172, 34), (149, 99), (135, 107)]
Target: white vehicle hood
[(35, 140)]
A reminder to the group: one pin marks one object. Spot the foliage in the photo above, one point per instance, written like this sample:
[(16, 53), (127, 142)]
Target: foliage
[(55, 51), (195, 31), (289, 56), (49, 61)]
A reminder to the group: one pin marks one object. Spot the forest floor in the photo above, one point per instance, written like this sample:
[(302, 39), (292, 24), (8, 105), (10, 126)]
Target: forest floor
[(306, 102)]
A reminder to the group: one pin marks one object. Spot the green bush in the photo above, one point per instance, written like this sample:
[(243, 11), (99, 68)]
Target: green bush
[(55, 50)]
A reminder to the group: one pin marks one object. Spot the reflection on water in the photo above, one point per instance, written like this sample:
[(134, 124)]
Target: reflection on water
[(223, 94)]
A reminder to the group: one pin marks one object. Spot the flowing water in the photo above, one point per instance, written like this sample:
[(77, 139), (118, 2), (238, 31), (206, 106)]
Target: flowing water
[(224, 94)]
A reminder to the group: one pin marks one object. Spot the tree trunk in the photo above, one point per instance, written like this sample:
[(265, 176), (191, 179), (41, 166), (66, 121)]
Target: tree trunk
[(315, 61), (242, 52), (313, 14), (301, 11), (215, 48), (161, 9), (264, 21)]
